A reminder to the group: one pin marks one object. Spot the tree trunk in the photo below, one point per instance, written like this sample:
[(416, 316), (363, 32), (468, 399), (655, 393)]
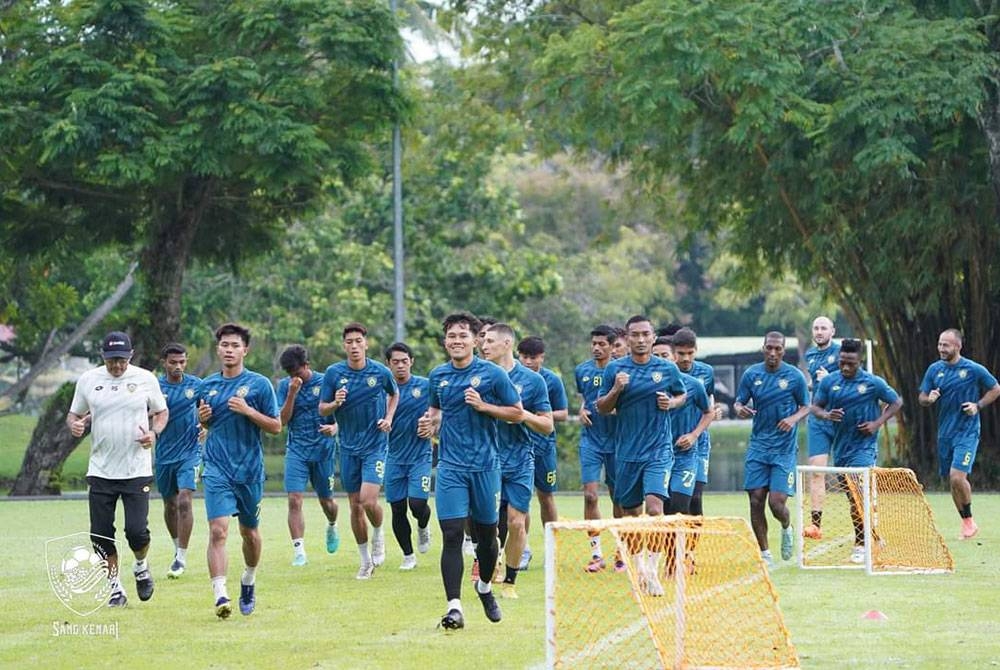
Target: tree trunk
[(50, 446), (164, 262)]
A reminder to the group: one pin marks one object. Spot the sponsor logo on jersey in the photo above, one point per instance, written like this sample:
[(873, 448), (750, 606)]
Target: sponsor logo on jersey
[(99, 388), (758, 382), (444, 382), (343, 381), (213, 392), (242, 391), (586, 379), (836, 387)]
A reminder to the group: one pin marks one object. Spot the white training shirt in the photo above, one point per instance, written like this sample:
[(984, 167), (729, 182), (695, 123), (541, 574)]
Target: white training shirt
[(119, 406)]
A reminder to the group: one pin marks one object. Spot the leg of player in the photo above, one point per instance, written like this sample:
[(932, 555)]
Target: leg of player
[(758, 521), (487, 552), (817, 494), (185, 524), (368, 499), (961, 495), (170, 517), (135, 502), (251, 559), (592, 510), (330, 510), (297, 529), (359, 526), (421, 511), (452, 535), (778, 502), (516, 537), (218, 564), (402, 530)]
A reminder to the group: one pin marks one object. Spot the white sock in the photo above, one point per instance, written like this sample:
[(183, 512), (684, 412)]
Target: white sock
[(139, 566), (365, 556), (455, 604), (181, 554), (653, 561), (249, 575), (377, 532), (176, 541), (595, 546), (299, 546), (219, 587), (116, 584), (766, 553), (483, 587)]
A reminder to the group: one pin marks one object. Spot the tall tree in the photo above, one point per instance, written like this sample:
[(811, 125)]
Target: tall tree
[(184, 129), (843, 140)]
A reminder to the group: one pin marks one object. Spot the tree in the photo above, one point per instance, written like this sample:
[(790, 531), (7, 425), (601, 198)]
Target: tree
[(842, 140), (184, 130)]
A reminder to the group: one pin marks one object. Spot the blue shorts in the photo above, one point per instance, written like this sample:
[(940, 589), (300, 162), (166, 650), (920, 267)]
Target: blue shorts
[(591, 463), (461, 493), (239, 499), (515, 487), (704, 454), (958, 453), (684, 471), (819, 433), (407, 480), (317, 470), (545, 470), (775, 472), (172, 477), (356, 469), (635, 481), (856, 458)]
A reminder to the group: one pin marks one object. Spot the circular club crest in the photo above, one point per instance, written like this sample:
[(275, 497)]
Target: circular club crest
[(657, 377), (783, 384), (372, 381), (830, 358), (474, 382), (415, 393), (962, 374), (315, 390), (79, 572), (189, 394), (242, 391), (862, 388), (519, 388)]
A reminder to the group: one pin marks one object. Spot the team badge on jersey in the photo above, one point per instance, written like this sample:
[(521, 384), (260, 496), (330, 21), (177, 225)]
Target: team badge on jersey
[(474, 382), (342, 381), (131, 388), (242, 391), (372, 382), (962, 374), (315, 390), (862, 388), (782, 384), (416, 393), (519, 388), (189, 393), (657, 377), (830, 359)]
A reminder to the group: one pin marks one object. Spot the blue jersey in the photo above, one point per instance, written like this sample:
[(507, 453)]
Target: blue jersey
[(179, 440), (590, 384), (827, 358), (685, 419), (368, 390), (775, 395), (556, 394), (468, 439), (233, 450), (860, 398), (959, 382), (517, 441), (643, 432), (405, 447), (705, 373), (304, 439)]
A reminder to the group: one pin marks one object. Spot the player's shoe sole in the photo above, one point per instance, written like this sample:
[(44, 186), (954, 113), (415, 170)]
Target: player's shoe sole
[(813, 532), (223, 608), (453, 620), (144, 585), (248, 599)]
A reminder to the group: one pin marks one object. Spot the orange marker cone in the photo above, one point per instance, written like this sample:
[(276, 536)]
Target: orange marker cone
[(874, 615)]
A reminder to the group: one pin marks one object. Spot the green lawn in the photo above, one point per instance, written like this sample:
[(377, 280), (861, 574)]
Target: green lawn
[(320, 617)]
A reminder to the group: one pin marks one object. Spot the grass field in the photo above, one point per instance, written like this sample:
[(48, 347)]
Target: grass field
[(320, 617)]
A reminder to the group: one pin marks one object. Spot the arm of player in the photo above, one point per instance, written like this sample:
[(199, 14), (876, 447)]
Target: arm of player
[(889, 411), (688, 440), (385, 423), (667, 402), (541, 423), (818, 410), (928, 399), (584, 413), (606, 403), (789, 422), (77, 423), (560, 415), (429, 424), (288, 407), (328, 408), (269, 424), (508, 413)]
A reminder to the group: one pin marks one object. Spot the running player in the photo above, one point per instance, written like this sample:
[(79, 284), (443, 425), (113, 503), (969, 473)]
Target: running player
[(308, 450), (178, 456), (960, 388), (235, 405), (644, 390), (362, 395), (821, 359), (408, 467), (517, 449), (468, 396), (531, 353), (856, 403), (597, 447), (779, 396)]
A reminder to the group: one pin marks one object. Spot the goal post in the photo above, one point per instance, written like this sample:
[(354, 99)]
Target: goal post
[(695, 593), (876, 519)]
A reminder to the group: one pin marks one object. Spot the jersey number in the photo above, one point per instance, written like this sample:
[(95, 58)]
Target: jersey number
[(425, 484)]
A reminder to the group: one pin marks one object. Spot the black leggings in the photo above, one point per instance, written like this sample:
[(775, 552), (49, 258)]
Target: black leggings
[(452, 564), (103, 499)]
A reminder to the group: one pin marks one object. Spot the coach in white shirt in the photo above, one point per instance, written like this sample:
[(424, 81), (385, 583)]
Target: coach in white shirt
[(126, 412)]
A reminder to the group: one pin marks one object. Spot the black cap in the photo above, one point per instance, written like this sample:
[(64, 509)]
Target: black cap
[(116, 345)]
